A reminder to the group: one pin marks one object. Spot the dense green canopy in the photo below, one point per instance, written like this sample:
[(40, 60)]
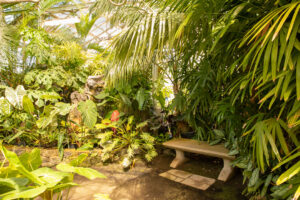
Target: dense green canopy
[(234, 66)]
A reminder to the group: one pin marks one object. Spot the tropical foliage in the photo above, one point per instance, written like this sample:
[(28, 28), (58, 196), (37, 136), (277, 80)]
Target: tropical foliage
[(23, 178), (125, 136), (234, 67)]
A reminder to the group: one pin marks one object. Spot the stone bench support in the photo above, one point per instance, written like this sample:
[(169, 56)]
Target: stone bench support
[(193, 146), (179, 159), (227, 171)]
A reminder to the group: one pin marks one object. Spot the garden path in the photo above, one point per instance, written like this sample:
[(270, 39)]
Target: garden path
[(144, 183)]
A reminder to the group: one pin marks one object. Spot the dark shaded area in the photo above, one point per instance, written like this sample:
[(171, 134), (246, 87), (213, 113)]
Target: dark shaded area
[(153, 187)]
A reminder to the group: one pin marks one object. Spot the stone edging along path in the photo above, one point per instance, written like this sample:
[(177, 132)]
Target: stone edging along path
[(50, 156)]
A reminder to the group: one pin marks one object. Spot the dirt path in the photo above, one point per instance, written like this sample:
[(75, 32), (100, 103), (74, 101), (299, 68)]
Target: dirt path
[(143, 182)]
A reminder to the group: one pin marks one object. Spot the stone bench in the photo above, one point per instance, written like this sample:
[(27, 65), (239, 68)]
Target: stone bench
[(182, 145)]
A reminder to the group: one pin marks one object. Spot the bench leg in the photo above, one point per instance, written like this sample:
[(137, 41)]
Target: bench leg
[(226, 172), (179, 159)]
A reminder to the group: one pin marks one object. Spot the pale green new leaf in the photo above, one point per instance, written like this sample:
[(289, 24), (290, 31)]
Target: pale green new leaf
[(86, 172), (88, 110), (28, 105), (30, 193)]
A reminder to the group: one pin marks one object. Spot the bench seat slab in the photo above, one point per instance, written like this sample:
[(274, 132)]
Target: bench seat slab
[(199, 147)]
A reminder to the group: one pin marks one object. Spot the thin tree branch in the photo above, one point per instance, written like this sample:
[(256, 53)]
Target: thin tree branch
[(6, 80)]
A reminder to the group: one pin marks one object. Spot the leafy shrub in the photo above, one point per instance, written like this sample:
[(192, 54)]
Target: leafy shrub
[(23, 177), (21, 120), (132, 97), (126, 140)]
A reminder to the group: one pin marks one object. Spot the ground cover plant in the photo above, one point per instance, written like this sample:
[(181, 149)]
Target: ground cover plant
[(125, 135), (234, 69), (23, 178)]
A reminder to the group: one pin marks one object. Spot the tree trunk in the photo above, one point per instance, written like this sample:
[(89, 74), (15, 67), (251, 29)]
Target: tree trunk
[(154, 79), (176, 85)]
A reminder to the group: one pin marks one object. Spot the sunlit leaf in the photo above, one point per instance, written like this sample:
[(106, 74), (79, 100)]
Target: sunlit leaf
[(86, 172), (88, 109), (28, 105)]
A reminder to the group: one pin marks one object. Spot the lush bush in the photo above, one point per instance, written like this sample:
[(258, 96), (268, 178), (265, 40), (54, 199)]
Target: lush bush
[(234, 67), (24, 178), (124, 140)]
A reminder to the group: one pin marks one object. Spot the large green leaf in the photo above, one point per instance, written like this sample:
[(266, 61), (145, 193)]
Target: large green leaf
[(28, 105), (50, 176), (32, 160), (30, 193), (15, 161), (86, 172), (15, 97), (88, 110)]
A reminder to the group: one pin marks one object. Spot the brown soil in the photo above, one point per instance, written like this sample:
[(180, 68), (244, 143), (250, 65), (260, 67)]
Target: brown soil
[(144, 183)]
